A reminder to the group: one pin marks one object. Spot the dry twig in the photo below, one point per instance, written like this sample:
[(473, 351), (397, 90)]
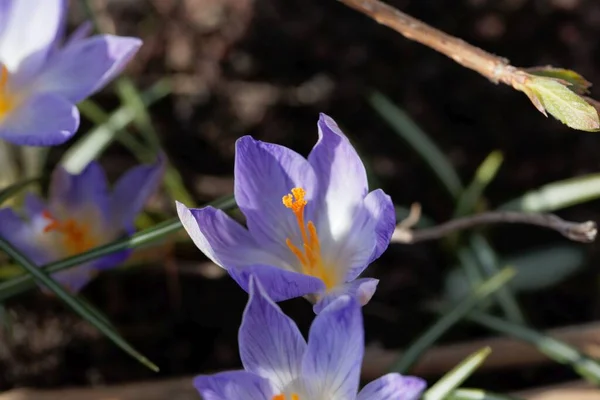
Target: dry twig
[(584, 232), (551, 90), (497, 69)]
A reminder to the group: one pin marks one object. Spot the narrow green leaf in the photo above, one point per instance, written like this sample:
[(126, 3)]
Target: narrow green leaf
[(91, 15), (483, 177), (536, 269), (488, 260), (406, 128), (555, 349), (94, 142), (478, 394), (9, 168), (548, 94), (172, 179), (558, 195), (543, 268), (448, 319), (446, 385), (470, 270), (175, 186), (22, 283), (131, 97), (40, 276), (92, 111), (33, 160), (15, 188)]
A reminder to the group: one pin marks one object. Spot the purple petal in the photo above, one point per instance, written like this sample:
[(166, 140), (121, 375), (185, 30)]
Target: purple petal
[(341, 175), (393, 387), (25, 237), (360, 289), (381, 209), (74, 279), (331, 365), (86, 65), (264, 173), (132, 191), (70, 193), (41, 120), (220, 238), (271, 345), (112, 260), (233, 385), (279, 284), (32, 26), (370, 234), (5, 7), (34, 206)]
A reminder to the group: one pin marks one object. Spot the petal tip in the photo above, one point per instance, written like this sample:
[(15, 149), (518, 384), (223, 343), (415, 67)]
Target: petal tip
[(325, 121)]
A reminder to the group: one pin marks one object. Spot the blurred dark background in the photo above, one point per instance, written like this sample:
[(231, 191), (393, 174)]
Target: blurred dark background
[(267, 68)]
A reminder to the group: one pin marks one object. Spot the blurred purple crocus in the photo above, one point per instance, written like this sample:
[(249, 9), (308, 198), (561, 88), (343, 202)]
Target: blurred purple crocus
[(41, 79), (280, 365), (313, 226), (80, 214)]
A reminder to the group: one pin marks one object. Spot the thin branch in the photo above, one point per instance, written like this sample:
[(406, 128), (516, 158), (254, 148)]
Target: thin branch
[(578, 231), (495, 68)]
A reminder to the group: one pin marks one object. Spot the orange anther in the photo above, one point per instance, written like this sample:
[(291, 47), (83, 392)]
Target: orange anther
[(282, 396), (76, 237), (309, 252)]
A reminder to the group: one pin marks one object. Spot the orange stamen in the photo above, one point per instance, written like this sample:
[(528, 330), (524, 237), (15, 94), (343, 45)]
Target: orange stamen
[(310, 255), (3, 76), (76, 238), (282, 396), (6, 99)]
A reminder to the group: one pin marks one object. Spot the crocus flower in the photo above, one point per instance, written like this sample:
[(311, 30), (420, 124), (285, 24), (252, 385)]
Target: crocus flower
[(280, 365), (313, 227), (41, 78), (80, 214)]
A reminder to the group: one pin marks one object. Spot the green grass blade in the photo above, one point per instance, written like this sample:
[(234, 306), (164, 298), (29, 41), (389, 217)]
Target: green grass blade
[(448, 319), (456, 376), (469, 265), (132, 98), (406, 128), (22, 283), (172, 179), (40, 276), (557, 195), (478, 394), (488, 260), (484, 175), (92, 111), (14, 189), (9, 167), (559, 351), (97, 140)]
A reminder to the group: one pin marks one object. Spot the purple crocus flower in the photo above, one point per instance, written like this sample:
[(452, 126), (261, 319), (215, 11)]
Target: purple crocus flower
[(80, 214), (280, 365), (313, 226), (41, 78)]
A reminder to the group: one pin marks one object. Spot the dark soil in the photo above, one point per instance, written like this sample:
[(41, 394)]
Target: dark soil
[(266, 68)]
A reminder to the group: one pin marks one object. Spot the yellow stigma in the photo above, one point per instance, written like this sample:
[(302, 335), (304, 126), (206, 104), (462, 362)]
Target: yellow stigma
[(7, 100), (282, 396), (75, 237), (310, 255)]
